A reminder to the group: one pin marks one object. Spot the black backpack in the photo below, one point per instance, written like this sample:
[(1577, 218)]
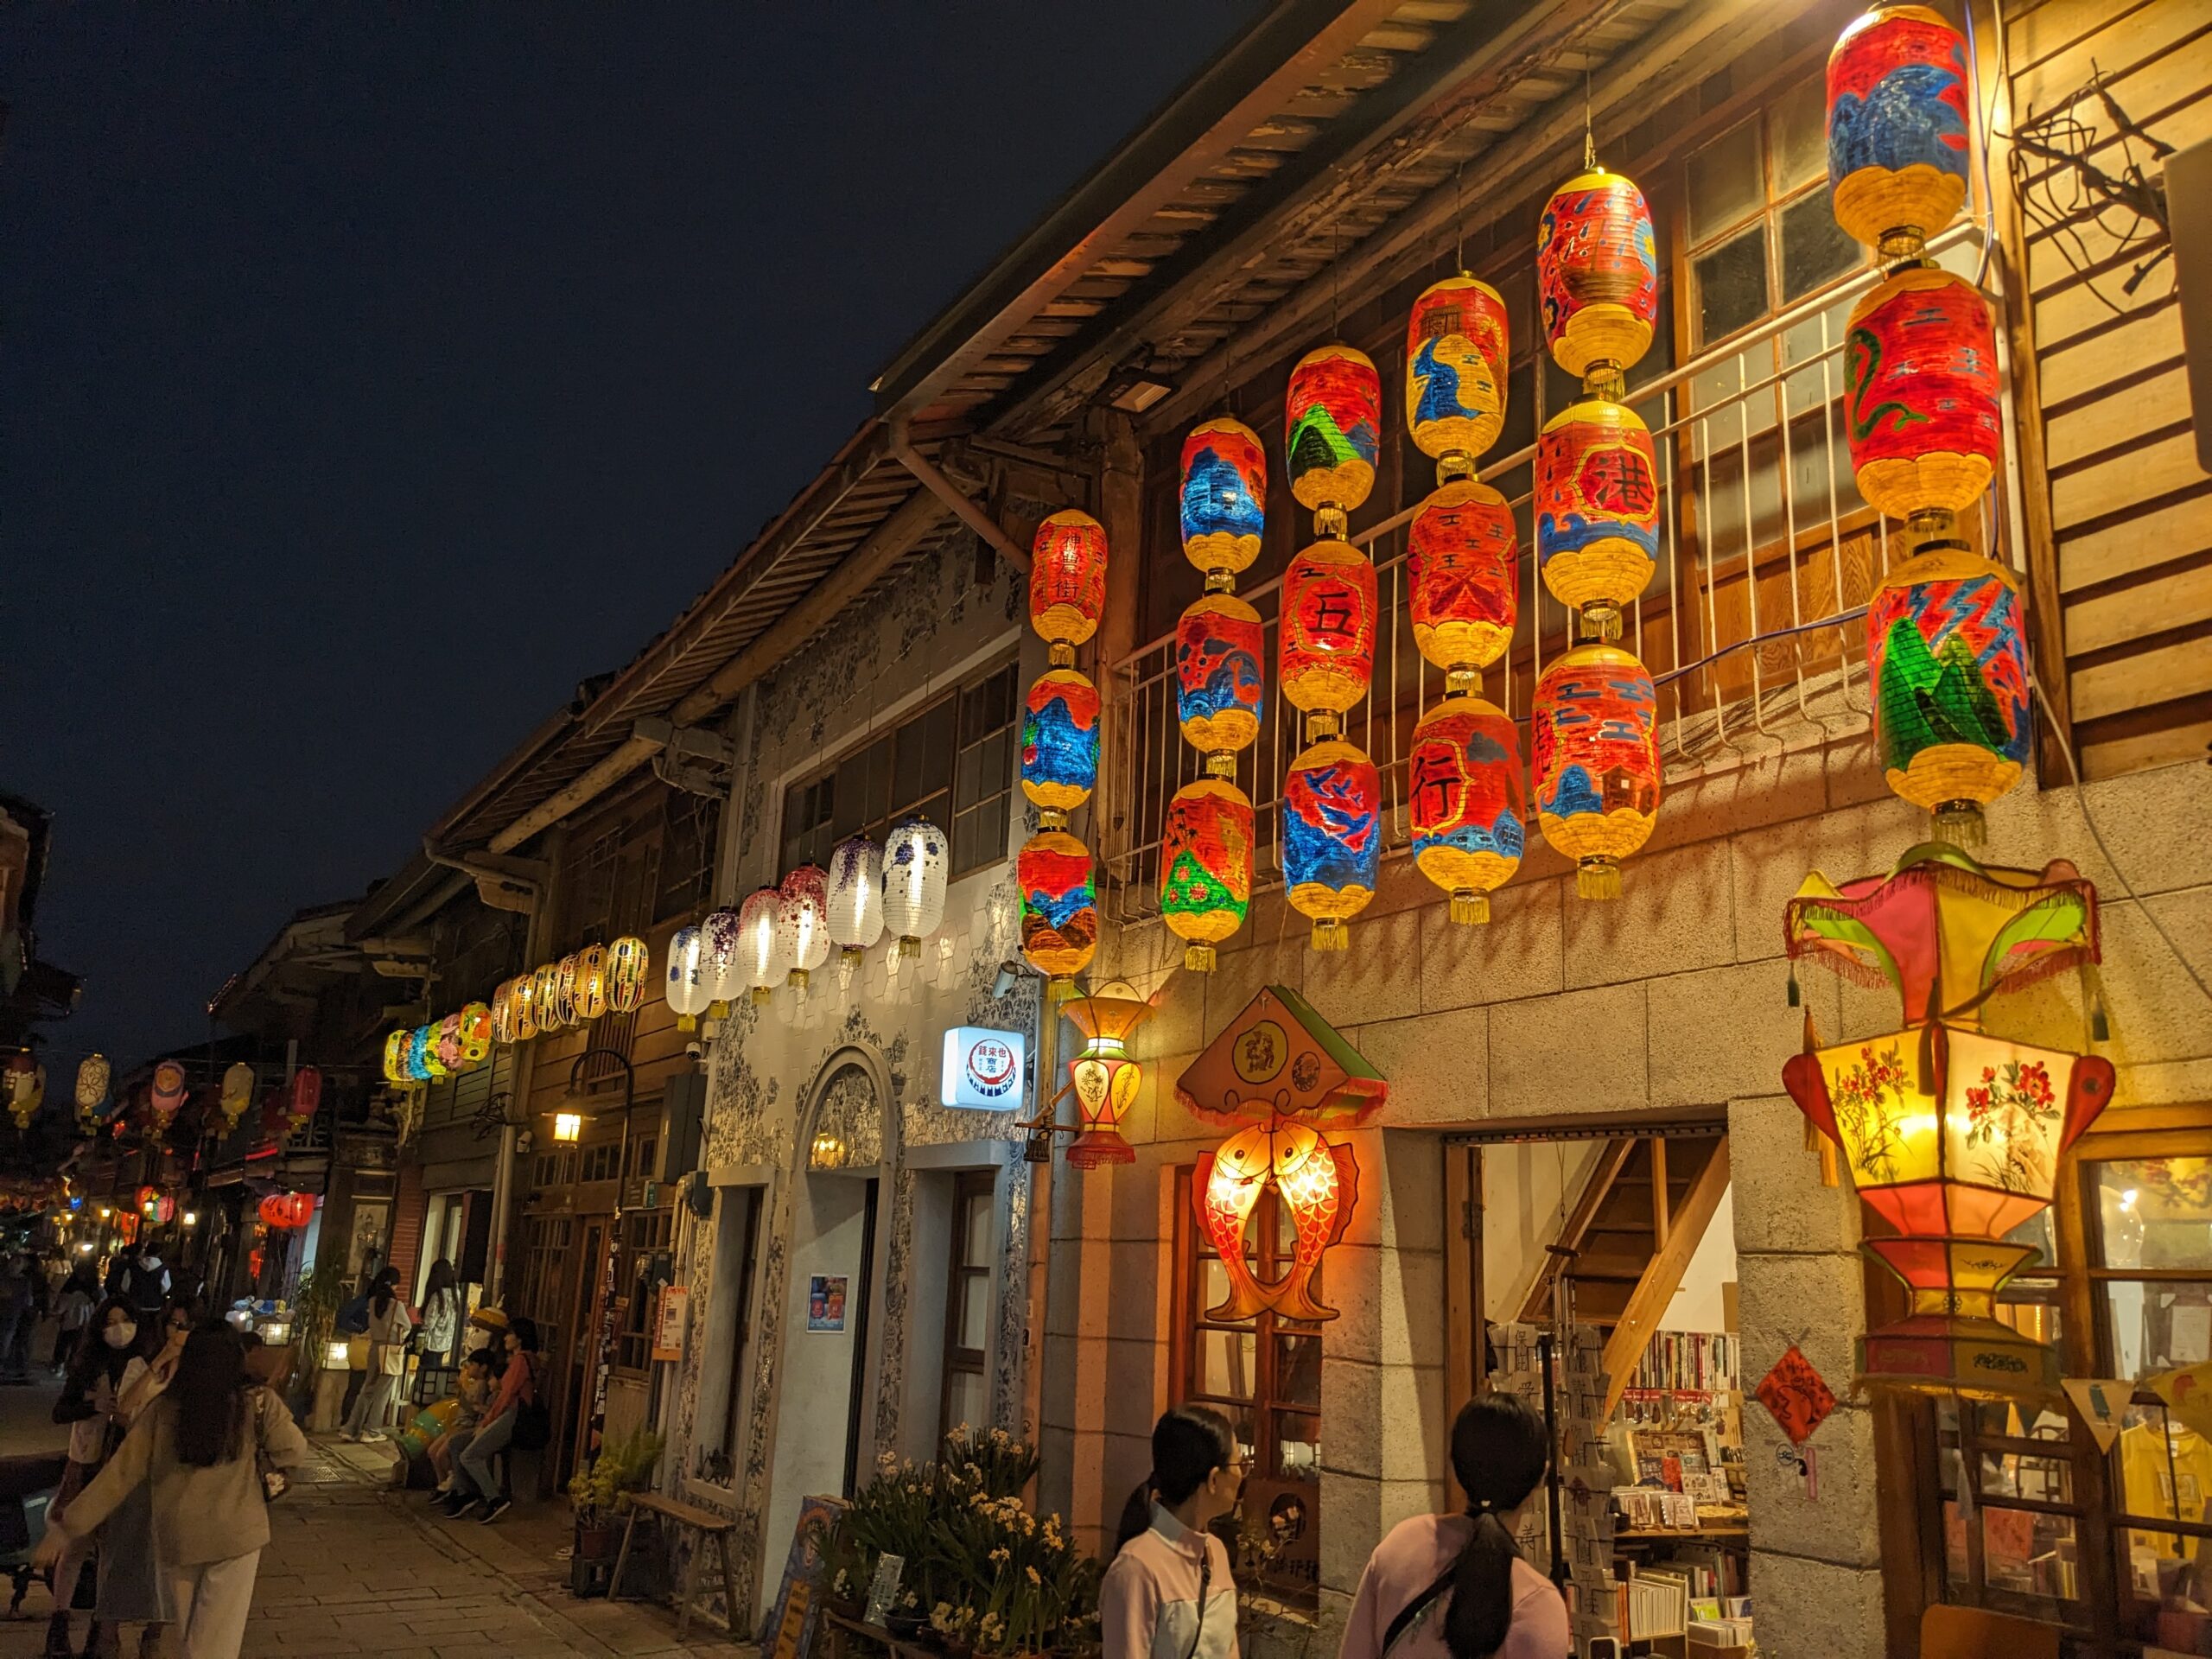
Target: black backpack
[(533, 1421)]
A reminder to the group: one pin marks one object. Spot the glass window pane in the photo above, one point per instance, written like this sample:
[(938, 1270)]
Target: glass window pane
[(1731, 285), (2009, 1474), (1225, 1363), (1995, 1417), (1298, 1372), (1297, 1446), (1814, 249), (964, 1399), (2029, 1553), (1954, 1546), (975, 1227), (2157, 1324), (1725, 181), (975, 1311), (910, 769), (2155, 1212), (1800, 136), (2166, 1472)]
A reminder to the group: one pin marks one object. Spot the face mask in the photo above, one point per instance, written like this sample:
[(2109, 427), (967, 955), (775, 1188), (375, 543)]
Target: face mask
[(149, 1262), (120, 1336)]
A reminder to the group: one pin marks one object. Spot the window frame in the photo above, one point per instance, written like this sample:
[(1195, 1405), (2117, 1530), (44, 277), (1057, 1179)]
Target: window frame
[(969, 1187), (738, 1399)]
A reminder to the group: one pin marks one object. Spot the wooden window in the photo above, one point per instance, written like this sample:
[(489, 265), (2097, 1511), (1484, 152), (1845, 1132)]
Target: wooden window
[(645, 1233), (690, 837), (736, 1246), (966, 1394), (544, 1267)]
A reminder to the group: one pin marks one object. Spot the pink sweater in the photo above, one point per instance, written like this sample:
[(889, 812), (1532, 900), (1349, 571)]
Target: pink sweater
[(1413, 1557), (1148, 1603)]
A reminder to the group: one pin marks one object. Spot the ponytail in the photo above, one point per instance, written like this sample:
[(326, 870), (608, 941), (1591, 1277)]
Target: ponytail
[(1499, 1451), (1188, 1444), (1137, 1515)]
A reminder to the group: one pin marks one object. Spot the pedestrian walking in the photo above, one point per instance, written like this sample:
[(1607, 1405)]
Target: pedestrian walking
[(104, 1366), (41, 1308), (442, 1314), (390, 1326), (199, 1451), (1168, 1589), (476, 1484), (80, 1294)]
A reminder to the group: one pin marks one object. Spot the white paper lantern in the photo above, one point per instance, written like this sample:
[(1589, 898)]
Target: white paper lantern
[(760, 947), (801, 926), (854, 908), (687, 985), (915, 859), (721, 958)]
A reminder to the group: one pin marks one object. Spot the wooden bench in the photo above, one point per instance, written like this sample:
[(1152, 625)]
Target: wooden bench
[(706, 1524)]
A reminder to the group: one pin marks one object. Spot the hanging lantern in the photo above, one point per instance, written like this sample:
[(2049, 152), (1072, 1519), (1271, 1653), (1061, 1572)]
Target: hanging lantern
[(547, 1000), (236, 1092), (686, 985), (525, 1011), (1897, 120), (853, 910), (26, 1086), (1920, 374), (417, 1063), (1325, 654), (801, 930), (304, 1097), (1331, 837), (475, 1033), (503, 1011), (445, 1042), (1206, 852), (1220, 683), (1059, 744), (762, 959), (93, 1075), (915, 857), (168, 1091), (1463, 557), (434, 1063), (1598, 277), (395, 1057), (1456, 360), (628, 963), (1332, 427), (1597, 504), (564, 989), (1224, 499), (157, 1206), (1060, 905), (591, 982), (1596, 735), (288, 1211), (722, 960), (1317, 1182), (1105, 1080), (1067, 582), (1470, 812)]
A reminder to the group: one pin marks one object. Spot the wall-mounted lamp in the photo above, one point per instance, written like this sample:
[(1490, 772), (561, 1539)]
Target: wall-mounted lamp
[(568, 1128)]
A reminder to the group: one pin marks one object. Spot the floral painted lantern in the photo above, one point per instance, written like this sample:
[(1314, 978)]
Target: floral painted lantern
[(1898, 121), (1224, 499), (1220, 683), (1456, 362), (168, 1092), (236, 1092), (1462, 558), (762, 962), (416, 1067), (288, 1211), (1597, 507), (916, 859), (1331, 837), (1104, 1077), (303, 1098), (1919, 396), (1206, 853), (1067, 582), (801, 924), (1598, 277), (503, 1011), (591, 982), (1060, 905), (433, 1063), (628, 962), (1470, 810), (1332, 422), (852, 907), (722, 964), (1059, 744), (476, 1032), (686, 984), (1949, 661), (1325, 654), (1595, 736), (93, 1074)]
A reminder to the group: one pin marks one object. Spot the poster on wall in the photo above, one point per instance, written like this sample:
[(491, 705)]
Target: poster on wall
[(668, 1329), (825, 1302), (789, 1632)]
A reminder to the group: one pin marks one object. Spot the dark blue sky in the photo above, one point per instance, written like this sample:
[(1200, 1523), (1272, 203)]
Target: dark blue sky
[(370, 374)]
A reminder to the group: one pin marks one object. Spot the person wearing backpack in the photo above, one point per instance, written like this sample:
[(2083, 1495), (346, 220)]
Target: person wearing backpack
[(517, 1417), (390, 1326)]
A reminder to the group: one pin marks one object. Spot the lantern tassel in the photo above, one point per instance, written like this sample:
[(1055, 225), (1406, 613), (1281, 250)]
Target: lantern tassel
[(1960, 823), (1471, 909), (1199, 958), (1329, 933), (1598, 878), (1797, 996)]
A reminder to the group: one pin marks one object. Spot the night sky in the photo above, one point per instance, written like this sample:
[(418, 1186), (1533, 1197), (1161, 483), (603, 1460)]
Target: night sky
[(370, 374)]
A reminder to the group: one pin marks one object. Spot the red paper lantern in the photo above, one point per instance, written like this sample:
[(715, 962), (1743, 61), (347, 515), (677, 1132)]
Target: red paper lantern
[(1332, 427), (1597, 762), (1462, 563), (1897, 119), (1469, 811), (288, 1210), (1206, 853), (1059, 904), (1597, 504), (1920, 371), (1598, 276), (1067, 582), (1456, 360), (1327, 650), (304, 1097)]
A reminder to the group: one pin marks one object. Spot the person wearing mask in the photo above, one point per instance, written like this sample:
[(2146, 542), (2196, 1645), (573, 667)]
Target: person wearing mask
[(1167, 1593), (102, 1368), (81, 1293), (390, 1326), (169, 1335), (198, 1451), (475, 1485), (442, 1314), (1454, 1587)]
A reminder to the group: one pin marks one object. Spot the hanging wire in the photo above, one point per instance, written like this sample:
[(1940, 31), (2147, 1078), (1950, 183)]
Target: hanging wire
[(1589, 130)]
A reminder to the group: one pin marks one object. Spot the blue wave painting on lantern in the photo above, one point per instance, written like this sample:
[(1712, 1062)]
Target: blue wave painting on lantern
[(1898, 96), (1217, 665), (1224, 481), (1059, 740), (1332, 820)]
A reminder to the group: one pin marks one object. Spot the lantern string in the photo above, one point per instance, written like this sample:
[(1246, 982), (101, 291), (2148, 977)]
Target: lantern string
[(1459, 218), (1589, 130)]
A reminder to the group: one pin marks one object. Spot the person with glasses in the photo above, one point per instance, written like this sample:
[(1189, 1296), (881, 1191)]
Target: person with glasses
[(1168, 1593)]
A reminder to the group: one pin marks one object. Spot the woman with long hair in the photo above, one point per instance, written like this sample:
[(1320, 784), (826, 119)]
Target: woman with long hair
[(474, 1483), (200, 1449), (111, 1359), (1168, 1593), (1454, 1587), (442, 1314), (390, 1326)]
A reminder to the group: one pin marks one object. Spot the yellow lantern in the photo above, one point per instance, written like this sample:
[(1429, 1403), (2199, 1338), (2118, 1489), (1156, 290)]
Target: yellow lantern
[(1104, 1078), (591, 982)]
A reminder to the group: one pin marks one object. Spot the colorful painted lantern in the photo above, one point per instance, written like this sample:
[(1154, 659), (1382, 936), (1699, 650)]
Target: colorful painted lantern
[(802, 922), (1104, 1077), (1598, 276), (418, 1062), (1595, 736), (1206, 853), (762, 959), (1317, 1182), (157, 1206), (93, 1074), (591, 982), (1463, 559), (1331, 837), (1325, 654), (1225, 498), (1897, 124), (854, 906), (916, 858), (237, 1091), (168, 1092), (433, 1063), (1949, 663), (1220, 680), (1597, 504), (1469, 811), (304, 1097), (547, 1001), (1332, 425), (1060, 905), (723, 959), (686, 983), (503, 1011), (445, 1042), (1456, 360), (1059, 744), (26, 1087), (1067, 582), (628, 962), (288, 1211), (1919, 374), (476, 1032)]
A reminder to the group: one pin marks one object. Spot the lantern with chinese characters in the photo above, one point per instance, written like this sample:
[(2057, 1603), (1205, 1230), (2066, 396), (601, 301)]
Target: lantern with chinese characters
[(852, 908), (1059, 744), (1949, 663), (1325, 654), (564, 989), (288, 1211), (1597, 507), (801, 930), (1060, 905), (762, 960), (1331, 837), (628, 962), (1067, 582), (1898, 118), (1598, 277), (686, 979), (1919, 396), (1224, 499), (503, 1013), (476, 1032), (1333, 428), (547, 1001), (591, 982), (1220, 682), (236, 1092), (1455, 358), (1463, 559), (915, 859), (1206, 853), (524, 1006), (168, 1093), (26, 1086), (1104, 1078), (93, 1073), (303, 1098), (1470, 812), (1595, 731), (723, 959)]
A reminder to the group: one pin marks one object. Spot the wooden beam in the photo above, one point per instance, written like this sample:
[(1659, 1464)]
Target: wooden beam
[(1648, 1303), (1538, 1304), (1658, 1191)]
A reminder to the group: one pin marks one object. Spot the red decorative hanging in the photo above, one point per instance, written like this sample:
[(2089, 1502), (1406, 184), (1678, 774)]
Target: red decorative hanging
[(288, 1210), (1463, 564), (1897, 117), (1598, 276), (1067, 582), (1595, 732), (1469, 811), (1327, 650), (304, 1096), (1920, 371)]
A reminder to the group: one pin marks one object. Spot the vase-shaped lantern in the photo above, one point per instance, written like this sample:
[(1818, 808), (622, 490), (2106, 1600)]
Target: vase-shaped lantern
[(1206, 855), (1598, 277), (591, 982), (1067, 582), (1596, 738), (1332, 430), (1456, 361), (802, 922), (1224, 499), (1103, 1077), (1470, 810), (236, 1092), (1331, 837), (1463, 557), (1325, 653), (686, 983), (168, 1092), (1919, 396), (628, 965), (852, 907), (1220, 678), (1897, 120), (1059, 744), (1596, 508), (762, 960), (916, 860), (722, 962), (1060, 906)]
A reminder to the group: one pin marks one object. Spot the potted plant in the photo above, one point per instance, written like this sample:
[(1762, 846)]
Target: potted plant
[(601, 1492)]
